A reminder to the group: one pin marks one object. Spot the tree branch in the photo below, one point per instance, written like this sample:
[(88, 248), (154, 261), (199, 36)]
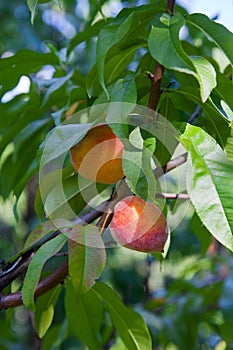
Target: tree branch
[(172, 195), (171, 5), (18, 265), (156, 78), (155, 91), (15, 299)]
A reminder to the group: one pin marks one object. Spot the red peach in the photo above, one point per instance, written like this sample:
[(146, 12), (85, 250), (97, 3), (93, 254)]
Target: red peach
[(139, 225)]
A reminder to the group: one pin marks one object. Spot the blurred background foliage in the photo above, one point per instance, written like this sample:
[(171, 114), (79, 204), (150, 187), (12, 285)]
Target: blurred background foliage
[(187, 299)]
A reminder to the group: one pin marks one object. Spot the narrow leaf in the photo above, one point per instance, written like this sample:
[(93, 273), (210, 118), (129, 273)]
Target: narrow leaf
[(128, 23), (87, 34), (86, 257), (209, 107), (210, 183), (229, 146), (23, 62), (206, 76), (32, 7), (109, 36), (84, 316), (221, 36), (224, 91), (61, 139), (137, 167), (130, 325), (39, 232), (166, 48), (57, 83), (35, 268), (45, 310)]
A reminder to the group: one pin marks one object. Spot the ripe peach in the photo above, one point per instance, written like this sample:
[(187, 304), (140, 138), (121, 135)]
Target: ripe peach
[(139, 225), (98, 156)]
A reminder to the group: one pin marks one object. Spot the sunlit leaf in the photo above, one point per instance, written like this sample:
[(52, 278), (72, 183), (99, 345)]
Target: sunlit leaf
[(166, 48), (210, 183)]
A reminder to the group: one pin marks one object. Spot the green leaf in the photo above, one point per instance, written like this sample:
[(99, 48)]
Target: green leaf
[(32, 8), (87, 34), (45, 305), (229, 146), (119, 61), (206, 76), (209, 107), (58, 195), (91, 81), (15, 167), (109, 36), (84, 316), (23, 62), (137, 167), (201, 232), (86, 257), (124, 90), (35, 268), (220, 35), (210, 183), (56, 336), (61, 139), (56, 83), (126, 24), (228, 111), (130, 325), (166, 48), (224, 91), (39, 232), (214, 121)]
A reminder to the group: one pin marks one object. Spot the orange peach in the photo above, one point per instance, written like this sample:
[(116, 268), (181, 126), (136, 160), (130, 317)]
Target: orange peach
[(98, 156), (139, 225)]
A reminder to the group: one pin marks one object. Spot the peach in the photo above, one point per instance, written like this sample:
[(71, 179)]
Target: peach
[(98, 156), (139, 225)]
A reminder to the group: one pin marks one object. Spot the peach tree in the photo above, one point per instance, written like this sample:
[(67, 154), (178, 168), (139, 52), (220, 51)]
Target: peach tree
[(160, 82)]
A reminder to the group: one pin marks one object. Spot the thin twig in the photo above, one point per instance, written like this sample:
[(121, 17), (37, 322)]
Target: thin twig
[(15, 299), (194, 115), (171, 5), (172, 164), (173, 195)]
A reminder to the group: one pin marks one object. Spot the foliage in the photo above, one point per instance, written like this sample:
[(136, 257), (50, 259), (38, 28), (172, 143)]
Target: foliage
[(86, 65)]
